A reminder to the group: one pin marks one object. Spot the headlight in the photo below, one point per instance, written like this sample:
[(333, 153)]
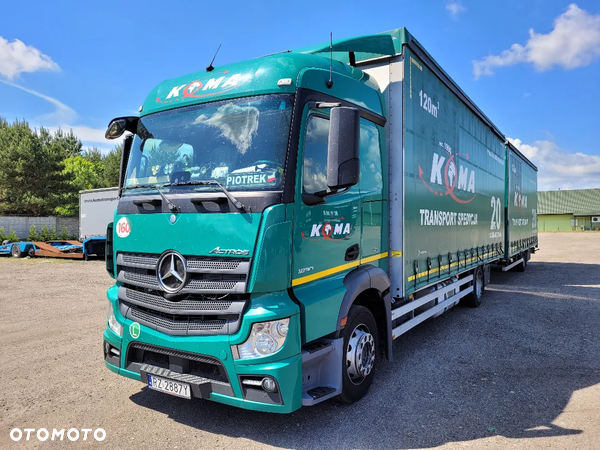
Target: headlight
[(112, 321), (265, 339)]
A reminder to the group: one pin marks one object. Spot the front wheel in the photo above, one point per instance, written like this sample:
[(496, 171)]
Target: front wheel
[(15, 251), (360, 354)]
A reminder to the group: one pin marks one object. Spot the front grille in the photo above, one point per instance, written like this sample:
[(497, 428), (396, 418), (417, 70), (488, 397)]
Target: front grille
[(134, 260), (159, 302), (211, 302)]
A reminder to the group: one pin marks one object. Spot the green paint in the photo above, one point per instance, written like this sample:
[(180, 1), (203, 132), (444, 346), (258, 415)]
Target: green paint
[(191, 234), (454, 167), (272, 267), (253, 77)]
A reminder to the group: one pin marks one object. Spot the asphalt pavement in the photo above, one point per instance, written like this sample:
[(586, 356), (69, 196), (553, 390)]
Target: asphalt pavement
[(521, 371)]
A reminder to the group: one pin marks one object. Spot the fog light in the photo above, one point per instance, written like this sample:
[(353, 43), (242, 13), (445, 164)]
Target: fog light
[(269, 385)]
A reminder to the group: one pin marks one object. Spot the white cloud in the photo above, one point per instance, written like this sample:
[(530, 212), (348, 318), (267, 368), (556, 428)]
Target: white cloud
[(455, 7), (62, 113), (574, 42), (62, 117), (16, 58), (559, 169)]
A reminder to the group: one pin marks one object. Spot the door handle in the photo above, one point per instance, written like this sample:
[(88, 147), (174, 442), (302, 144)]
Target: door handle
[(352, 252)]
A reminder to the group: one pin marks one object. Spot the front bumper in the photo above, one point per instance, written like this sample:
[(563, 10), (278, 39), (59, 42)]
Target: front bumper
[(207, 364)]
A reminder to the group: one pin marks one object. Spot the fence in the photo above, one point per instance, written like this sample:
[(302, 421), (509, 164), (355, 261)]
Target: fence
[(21, 225)]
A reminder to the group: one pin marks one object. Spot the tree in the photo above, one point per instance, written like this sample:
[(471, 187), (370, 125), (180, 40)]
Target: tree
[(41, 173), (112, 165), (84, 173), (31, 176)]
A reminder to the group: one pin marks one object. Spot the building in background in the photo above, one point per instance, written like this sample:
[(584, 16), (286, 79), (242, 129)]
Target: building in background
[(570, 210)]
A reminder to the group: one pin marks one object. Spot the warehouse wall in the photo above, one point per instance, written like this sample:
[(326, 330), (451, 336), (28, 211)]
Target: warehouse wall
[(21, 225), (555, 222)]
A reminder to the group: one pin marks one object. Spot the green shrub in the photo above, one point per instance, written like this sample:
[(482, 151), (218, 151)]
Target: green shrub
[(12, 237), (64, 234), (33, 234), (44, 234), (2, 235), (48, 235)]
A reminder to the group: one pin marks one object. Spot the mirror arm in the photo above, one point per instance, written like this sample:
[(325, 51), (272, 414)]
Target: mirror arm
[(127, 143)]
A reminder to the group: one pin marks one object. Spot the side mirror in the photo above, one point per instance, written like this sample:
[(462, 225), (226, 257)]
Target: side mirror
[(120, 125), (127, 143), (343, 164)]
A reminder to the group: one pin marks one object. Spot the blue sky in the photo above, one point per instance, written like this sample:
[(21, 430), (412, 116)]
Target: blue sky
[(532, 66)]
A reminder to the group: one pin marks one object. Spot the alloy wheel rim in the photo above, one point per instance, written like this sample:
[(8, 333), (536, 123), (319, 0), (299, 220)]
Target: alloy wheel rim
[(360, 354)]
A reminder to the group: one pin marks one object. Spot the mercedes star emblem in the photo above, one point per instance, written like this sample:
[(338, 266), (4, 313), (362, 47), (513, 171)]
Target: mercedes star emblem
[(171, 271)]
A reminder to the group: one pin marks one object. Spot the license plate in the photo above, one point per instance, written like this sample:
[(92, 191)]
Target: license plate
[(169, 386)]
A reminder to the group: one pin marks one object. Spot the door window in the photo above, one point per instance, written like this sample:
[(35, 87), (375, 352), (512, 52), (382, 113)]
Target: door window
[(370, 158), (314, 173)]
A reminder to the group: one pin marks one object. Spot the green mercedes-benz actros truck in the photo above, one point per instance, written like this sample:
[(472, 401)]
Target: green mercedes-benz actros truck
[(282, 220)]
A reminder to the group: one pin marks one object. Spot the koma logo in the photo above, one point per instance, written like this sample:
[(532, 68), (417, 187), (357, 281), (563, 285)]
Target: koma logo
[(223, 82), (445, 172), (331, 231)]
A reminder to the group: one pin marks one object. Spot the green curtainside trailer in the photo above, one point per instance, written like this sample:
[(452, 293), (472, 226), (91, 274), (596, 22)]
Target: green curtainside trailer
[(521, 210), (282, 220), (453, 180)]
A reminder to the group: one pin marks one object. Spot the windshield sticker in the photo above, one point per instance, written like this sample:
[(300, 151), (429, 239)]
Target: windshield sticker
[(206, 87), (219, 172), (250, 179)]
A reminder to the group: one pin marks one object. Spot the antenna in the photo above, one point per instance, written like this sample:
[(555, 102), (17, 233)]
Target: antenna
[(210, 67), (329, 82)]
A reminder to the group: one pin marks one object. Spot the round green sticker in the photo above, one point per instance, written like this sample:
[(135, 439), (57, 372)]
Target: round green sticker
[(134, 330)]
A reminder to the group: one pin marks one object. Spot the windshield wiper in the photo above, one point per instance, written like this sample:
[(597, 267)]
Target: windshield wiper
[(239, 205), (169, 203)]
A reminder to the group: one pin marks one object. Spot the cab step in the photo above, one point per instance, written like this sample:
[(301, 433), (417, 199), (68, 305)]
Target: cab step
[(321, 370), (321, 391)]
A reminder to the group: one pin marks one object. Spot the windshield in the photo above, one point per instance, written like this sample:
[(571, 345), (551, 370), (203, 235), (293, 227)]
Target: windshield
[(240, 143)]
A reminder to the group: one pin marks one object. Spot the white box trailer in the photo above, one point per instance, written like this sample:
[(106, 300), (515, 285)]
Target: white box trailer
[(96, 210)]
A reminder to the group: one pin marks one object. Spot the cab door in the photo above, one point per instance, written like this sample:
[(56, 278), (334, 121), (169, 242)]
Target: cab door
[(326, 240)]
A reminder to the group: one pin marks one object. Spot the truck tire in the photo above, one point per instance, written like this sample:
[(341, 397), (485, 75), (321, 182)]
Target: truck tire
[(521, 267), (15, 251), (360, 354), (474, 298)]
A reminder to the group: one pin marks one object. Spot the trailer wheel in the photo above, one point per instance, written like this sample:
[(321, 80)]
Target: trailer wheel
[(474, 298), (31, 252), (521, 267), (360, 354), (15, 251)]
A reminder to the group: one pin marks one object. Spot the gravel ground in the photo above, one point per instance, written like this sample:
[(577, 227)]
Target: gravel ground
[(521, 371)]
